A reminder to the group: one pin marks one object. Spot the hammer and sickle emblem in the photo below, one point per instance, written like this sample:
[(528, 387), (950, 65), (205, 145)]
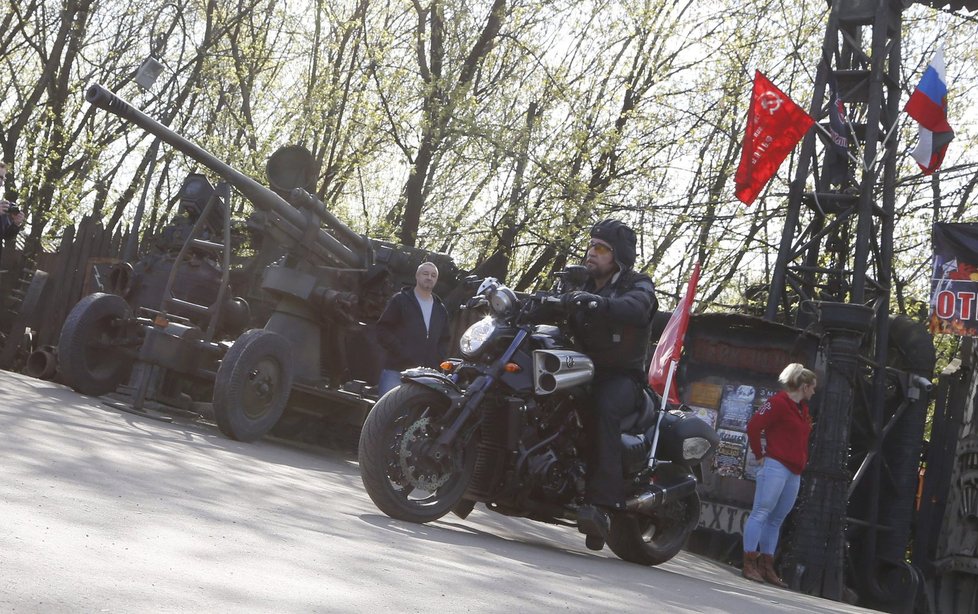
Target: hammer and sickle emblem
[(770, 102)]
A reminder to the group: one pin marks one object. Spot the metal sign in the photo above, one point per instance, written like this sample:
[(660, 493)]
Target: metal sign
[(954, 280)]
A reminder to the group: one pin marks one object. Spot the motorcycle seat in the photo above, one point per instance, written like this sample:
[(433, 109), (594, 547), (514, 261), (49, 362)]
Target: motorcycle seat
[(639, 421)]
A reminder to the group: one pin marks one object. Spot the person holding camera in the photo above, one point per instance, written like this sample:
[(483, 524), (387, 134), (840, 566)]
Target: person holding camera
[(11, 217)]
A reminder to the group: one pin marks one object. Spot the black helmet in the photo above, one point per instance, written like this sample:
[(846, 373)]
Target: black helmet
[(620, 237)]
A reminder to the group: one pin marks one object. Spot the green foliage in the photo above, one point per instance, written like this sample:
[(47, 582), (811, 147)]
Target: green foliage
[(514, 139)]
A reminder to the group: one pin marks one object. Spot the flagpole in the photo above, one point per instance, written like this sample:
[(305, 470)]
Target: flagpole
[(671, 340), (662, 412), (669, 376), (818, 204), (882, 148), (852, 131), (859, 162)]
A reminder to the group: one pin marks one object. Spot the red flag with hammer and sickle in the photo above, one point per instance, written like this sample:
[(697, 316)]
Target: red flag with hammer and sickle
[(775, 124)]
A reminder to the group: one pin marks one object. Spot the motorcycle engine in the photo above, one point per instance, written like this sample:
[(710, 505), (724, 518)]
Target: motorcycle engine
[(554, 471), (554, 479)]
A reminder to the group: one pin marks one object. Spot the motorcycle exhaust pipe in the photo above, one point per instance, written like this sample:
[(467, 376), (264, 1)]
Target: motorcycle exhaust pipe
[(646, 502), (555, 370)]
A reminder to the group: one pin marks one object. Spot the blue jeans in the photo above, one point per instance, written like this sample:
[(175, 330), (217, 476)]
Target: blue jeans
[(774, 496), (389, 380)]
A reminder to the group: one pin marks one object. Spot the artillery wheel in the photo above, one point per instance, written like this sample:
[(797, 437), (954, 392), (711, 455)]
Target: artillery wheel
[(253, 384), (89, 360)]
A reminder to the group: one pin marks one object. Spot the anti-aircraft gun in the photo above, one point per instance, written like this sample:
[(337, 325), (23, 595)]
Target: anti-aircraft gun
[(326, 284)]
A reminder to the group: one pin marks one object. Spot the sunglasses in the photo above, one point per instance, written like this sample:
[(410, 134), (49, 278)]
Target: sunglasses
[(599, 248)]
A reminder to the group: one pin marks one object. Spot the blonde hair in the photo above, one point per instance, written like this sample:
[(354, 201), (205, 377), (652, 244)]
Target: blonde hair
[(795, 376)]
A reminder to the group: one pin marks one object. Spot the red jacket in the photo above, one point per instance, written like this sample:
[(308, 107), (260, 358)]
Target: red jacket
[(786, 426)]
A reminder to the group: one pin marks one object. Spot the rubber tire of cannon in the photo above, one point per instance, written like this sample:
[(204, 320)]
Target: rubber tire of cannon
[(87, 363), (253, 384)]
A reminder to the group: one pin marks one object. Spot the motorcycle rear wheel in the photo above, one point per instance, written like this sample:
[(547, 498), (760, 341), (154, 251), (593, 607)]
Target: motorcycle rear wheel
[(654, 539), (403, 480)]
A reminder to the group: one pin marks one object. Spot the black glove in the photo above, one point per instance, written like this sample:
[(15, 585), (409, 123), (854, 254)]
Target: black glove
[(583, 301), (538, 313)]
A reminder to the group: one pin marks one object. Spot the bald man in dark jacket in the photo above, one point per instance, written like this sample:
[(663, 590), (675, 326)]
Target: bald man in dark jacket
[(414, 329)]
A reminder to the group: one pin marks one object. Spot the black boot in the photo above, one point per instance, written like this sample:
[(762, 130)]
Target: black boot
[(593, 522)]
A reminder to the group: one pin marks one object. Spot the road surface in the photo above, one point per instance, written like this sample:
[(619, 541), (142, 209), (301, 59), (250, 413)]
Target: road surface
[(107, 511)]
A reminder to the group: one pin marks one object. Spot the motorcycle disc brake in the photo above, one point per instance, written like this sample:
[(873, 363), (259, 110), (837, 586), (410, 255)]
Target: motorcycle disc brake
[(413, 464)]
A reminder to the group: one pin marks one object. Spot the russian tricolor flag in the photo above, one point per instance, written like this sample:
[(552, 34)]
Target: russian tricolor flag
[(928, 106)]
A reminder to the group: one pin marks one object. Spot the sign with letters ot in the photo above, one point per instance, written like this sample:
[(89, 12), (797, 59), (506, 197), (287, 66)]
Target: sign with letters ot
[(954, 281)]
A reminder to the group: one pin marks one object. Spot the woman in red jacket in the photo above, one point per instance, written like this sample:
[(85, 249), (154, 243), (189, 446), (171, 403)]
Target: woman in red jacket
[(778, 435)]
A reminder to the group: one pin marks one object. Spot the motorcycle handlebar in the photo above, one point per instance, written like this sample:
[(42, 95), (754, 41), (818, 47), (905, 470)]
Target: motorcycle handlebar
[(475, 301)]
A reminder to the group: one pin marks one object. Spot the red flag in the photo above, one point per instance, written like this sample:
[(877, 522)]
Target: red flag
[(775, 124), (670, 344)]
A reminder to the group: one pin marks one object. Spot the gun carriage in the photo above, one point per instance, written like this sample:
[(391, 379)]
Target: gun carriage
[(320, 296)]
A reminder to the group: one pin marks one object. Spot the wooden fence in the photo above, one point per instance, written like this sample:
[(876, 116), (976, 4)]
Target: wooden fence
[(37, 295)]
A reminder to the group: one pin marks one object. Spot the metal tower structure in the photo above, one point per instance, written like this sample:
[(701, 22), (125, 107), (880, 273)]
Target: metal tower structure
[(833, 272)]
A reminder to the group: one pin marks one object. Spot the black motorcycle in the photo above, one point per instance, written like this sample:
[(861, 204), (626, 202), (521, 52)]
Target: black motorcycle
[(503, 426)]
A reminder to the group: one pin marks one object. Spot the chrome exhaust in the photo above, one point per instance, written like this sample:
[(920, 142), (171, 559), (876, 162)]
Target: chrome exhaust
[(560, 369), (646, 502)]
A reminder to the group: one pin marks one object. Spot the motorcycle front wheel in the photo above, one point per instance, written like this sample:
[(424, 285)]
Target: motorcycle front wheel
[(654, 539), (402, 477)]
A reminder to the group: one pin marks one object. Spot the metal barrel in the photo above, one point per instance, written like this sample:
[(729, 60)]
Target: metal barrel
[(302, 199), (260, 196)]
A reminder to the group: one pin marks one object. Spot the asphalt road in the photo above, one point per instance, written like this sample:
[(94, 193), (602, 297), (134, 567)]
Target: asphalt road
[(106, 511)]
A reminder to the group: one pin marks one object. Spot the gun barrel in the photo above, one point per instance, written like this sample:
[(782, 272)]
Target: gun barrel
[(263, 198), (301, 198)]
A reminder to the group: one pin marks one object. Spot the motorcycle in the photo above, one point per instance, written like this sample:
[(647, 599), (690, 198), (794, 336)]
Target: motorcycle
[(503, 426)]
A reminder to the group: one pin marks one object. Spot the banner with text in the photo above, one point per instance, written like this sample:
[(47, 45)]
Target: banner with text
[(954, 281)]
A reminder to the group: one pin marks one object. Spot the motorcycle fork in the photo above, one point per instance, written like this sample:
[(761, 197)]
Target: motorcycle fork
[(464, 422)]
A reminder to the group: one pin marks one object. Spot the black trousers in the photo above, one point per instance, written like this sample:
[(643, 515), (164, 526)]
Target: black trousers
[(613, 396)]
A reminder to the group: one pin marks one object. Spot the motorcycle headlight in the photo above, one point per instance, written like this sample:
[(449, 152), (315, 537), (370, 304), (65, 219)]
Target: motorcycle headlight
[(502, 301), (473, 338)]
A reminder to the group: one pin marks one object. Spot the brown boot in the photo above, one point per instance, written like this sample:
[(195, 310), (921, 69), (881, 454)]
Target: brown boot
[(766, 567), (751, 571)]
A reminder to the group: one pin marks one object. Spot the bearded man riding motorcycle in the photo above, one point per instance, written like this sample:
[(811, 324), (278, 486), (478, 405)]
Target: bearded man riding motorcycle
[(611, 320)]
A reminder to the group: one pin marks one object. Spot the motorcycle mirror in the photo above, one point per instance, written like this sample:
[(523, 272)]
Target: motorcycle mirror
[(573, 277), (488, 284)]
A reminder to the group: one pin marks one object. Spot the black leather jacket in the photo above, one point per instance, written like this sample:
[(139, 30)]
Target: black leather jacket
[(616, 336)]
